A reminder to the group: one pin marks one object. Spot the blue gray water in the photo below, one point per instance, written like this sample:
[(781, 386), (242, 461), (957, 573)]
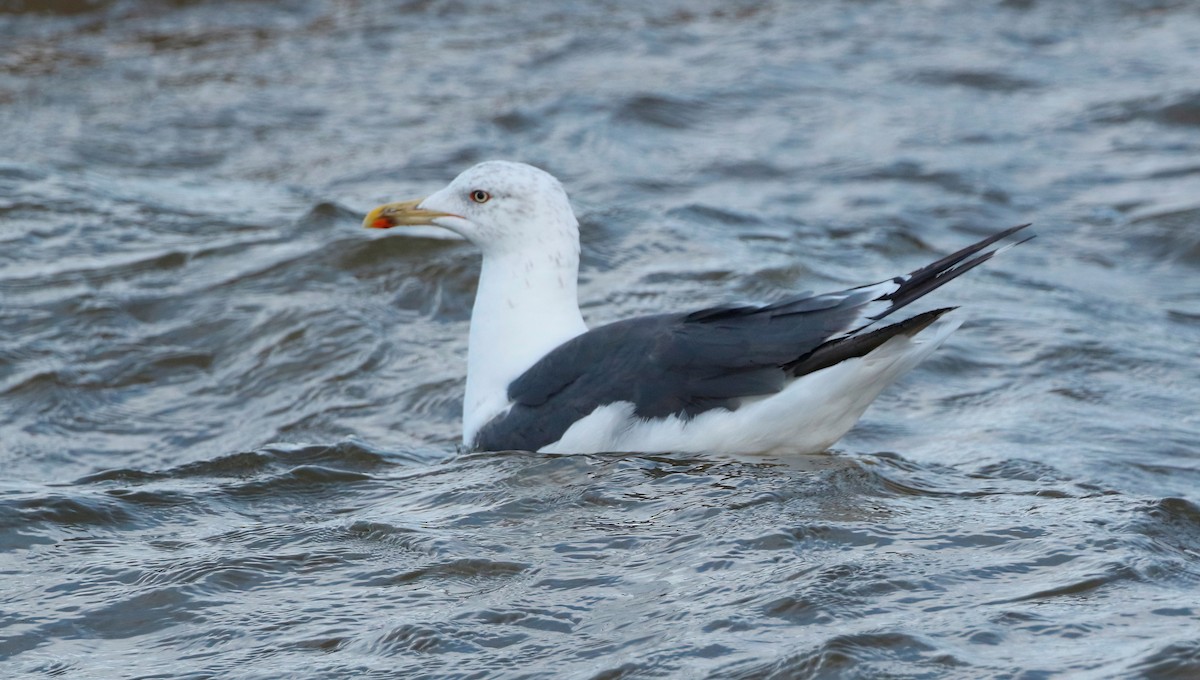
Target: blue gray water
[(228, 414)]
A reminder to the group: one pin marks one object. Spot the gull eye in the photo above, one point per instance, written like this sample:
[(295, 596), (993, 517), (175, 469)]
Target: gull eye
[(480, 196)]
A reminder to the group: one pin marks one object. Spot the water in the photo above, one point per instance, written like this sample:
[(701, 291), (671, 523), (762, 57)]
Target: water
[(228, 415)]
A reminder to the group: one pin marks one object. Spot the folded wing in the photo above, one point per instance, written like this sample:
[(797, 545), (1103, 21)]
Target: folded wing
[(685, 364)]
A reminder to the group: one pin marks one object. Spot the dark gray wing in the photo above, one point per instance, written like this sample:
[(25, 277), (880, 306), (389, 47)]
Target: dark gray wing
[(685, 364)]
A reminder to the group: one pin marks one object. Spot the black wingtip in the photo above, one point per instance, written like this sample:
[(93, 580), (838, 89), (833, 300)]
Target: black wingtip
[(948, 268), (841, 349), (958, 256)]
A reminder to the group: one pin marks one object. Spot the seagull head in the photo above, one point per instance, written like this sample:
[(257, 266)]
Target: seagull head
[(500, 206)]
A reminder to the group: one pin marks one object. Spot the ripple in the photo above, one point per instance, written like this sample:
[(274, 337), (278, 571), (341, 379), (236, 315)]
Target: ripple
[(1082, 586), (1159, 109), (858, 655), (71, 510), (1175, 660), (988, 81), (655, 110), (1169, 235)]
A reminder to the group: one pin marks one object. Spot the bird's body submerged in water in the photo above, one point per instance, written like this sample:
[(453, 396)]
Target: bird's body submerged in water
[(788, 377)]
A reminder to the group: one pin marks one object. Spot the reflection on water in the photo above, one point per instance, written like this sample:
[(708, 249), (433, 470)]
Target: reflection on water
[(183, 285)]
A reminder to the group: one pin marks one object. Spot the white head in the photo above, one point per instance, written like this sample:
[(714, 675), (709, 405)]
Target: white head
[(500, 206), (526, 303)]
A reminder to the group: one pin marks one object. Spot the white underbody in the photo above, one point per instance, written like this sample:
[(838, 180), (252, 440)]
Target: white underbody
[(807, 416)]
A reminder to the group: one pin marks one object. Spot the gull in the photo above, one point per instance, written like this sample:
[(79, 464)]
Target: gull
[(789, 377)]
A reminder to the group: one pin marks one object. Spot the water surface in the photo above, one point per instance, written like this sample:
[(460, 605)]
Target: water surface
[(229, 416)]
